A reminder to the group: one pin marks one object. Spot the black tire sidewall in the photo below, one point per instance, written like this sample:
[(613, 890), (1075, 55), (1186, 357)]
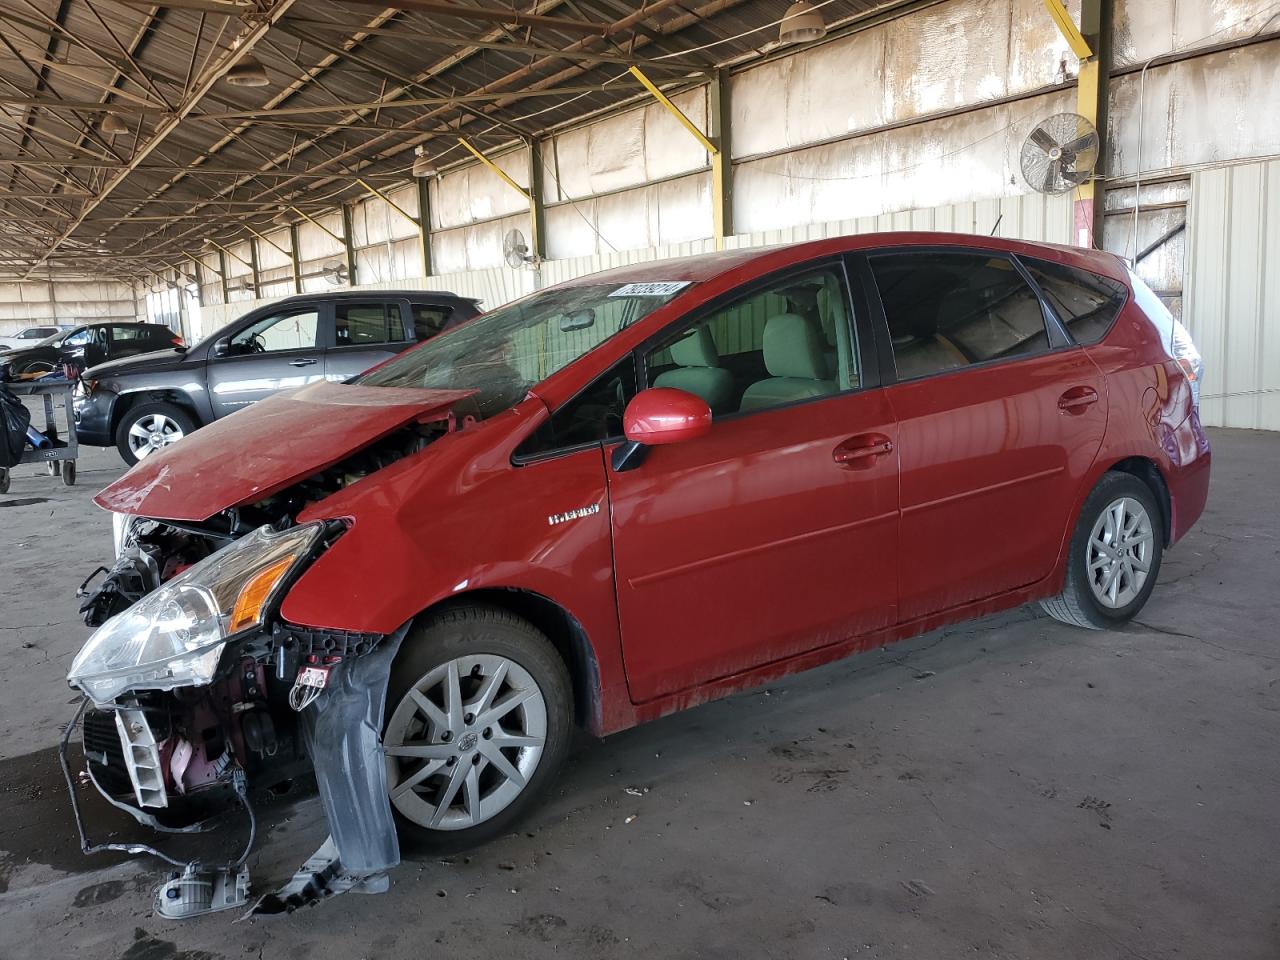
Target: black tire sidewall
[(134, 414), (1110, 488), (466, 631)]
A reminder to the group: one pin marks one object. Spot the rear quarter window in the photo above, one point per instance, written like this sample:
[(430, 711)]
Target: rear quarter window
[(1086, 303)]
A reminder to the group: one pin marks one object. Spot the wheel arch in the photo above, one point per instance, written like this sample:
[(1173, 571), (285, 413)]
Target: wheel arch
[(1149, 473), (127, 401), (560, 627)]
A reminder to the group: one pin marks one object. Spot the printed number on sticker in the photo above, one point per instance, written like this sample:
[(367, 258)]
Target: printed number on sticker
[(659, 288)]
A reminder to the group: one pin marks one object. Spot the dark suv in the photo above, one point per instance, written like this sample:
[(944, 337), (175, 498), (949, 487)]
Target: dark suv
[(148, 402), (87, 346)]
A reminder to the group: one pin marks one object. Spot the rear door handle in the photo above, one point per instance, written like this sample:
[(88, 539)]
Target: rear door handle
[(1077, 400), (302, 362), (861, 451)]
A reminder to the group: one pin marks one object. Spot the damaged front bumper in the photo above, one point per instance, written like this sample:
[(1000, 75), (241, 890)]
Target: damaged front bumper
[(178, 760)]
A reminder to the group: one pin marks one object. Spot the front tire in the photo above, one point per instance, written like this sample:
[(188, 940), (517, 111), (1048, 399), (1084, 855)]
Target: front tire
[(1114, 556), (149, 427), (479, 717)]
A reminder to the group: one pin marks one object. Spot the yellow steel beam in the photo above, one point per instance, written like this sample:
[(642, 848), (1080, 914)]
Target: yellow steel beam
[(496, 169), (675, 111), (388, 201), (1067, 27)]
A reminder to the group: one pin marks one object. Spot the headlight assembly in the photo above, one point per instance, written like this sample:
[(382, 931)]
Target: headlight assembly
[(174, 636)]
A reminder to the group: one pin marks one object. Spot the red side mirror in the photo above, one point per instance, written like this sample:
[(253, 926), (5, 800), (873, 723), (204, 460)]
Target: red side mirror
[(663, 415)]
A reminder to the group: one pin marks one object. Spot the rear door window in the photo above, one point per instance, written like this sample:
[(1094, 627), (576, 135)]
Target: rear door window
[(429, 319), (367, 324), (949, 310), (1086, 303)]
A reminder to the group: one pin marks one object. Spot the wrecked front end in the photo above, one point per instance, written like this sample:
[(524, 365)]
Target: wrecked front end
[(197, 694)]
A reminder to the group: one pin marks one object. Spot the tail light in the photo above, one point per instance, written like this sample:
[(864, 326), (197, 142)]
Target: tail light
[(1183, 350), (177, 341)]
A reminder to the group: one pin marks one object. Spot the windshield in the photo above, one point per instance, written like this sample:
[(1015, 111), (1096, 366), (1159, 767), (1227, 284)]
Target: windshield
[(506, 351), (52, 341)]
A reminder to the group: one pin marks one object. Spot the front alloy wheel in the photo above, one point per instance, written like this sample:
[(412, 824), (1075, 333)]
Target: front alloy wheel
[(479, 713), (149, 428), (464, 742), (151, 433)]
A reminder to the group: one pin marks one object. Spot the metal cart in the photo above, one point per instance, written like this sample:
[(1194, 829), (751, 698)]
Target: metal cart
[(61, 457)]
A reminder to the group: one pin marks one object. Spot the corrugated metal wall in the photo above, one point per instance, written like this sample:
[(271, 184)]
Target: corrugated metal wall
[(1232, 305)]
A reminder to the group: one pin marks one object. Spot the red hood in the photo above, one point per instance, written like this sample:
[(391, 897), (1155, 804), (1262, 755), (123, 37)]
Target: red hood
[(265, 448)]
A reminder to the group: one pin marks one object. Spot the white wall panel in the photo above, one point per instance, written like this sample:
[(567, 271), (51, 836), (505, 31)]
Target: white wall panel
[(1149, 28), (475, 192), (659, 214), (474, 247), (639, 145), (65, 301), (1215, 108), (1232, 301), (964, 157)]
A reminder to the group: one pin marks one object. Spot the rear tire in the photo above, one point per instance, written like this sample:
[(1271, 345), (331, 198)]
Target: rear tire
[(1120, 532), (492, 658), (153, 419)]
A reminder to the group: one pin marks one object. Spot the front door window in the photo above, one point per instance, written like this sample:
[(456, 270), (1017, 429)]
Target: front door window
[(296, 330)]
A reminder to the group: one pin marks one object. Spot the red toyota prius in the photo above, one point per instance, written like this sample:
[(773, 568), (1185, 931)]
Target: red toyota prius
[(620, 497)]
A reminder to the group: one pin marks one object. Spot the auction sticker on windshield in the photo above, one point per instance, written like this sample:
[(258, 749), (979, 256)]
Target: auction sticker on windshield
[(658, 288)]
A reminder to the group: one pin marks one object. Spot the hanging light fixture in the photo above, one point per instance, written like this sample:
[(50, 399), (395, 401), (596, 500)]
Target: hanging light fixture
[(800, 24), (113, 125), (247, 72), (422, 165)]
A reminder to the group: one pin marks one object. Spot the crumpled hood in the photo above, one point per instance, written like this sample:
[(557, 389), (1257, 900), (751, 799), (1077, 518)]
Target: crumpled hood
[(264, 448)]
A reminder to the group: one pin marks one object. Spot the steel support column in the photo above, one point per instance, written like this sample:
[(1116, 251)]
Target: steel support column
[(1092, 95), (293, 257), (424, 223), (347, 245), (721, 162), (253, 267), (222, 276), (537, 212)]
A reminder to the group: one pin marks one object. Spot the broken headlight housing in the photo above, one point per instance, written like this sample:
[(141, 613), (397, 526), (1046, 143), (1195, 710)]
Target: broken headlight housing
[(174, 636)]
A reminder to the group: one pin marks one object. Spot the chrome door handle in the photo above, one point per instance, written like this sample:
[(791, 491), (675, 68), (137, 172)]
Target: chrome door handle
[(301, 363), (1076, 399), (861, 451)]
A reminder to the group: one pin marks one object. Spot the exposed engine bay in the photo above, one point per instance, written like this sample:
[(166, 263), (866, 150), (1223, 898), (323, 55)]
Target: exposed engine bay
[(176, 741)]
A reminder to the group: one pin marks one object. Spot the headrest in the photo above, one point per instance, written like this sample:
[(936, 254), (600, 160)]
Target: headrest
[(794, 347), (698, 349)]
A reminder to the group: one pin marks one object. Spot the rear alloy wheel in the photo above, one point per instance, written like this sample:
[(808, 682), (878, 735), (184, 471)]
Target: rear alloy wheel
[(151, 427), (478, 723), (1115, 555)]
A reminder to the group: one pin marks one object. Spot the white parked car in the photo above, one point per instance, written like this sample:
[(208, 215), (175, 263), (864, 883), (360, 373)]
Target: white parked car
[(29, 337)]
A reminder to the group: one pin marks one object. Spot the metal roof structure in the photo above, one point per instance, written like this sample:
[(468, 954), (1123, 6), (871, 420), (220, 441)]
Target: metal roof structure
[(352, 88)]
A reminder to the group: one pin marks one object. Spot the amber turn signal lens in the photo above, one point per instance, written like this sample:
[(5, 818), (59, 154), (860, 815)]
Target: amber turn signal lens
[(254, 594)]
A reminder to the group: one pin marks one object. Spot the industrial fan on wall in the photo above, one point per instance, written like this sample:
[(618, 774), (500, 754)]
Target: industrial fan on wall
[(335, 273), (516, 252), (1060, 153)]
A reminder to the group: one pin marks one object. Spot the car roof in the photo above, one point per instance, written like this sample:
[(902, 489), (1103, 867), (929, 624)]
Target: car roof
[(702, 267), (366, 294)]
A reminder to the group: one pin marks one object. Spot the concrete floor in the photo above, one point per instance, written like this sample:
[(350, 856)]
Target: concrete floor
[(1011, 788)]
